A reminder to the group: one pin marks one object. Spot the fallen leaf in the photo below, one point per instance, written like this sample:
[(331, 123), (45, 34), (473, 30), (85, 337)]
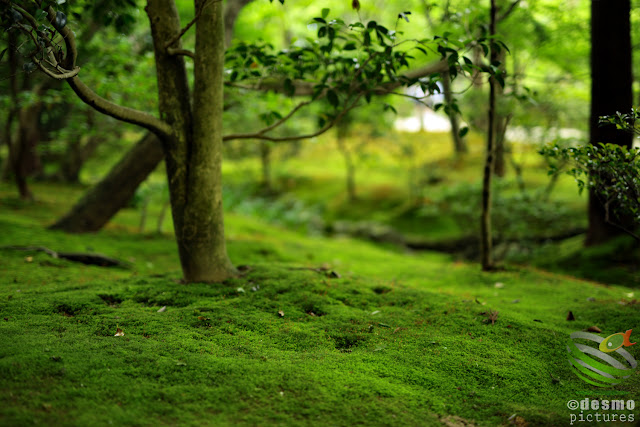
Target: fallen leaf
[(594, 329), (29, 259), (570, 316), (280, 313), (119, 333), (499, 285), (312, 314), (240, 290), (163, 309), (373, 313)]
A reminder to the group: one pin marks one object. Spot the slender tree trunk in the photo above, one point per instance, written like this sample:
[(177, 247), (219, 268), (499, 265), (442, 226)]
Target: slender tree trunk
[(501, 122), (104, 200), (163, 213), (20, 149), (265, 160), (611, 83), (341, 133), (485, 224), (459, 143), (26, 160)]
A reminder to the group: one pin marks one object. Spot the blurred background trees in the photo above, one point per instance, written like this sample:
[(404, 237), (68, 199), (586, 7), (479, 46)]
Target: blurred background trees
[(377, 174)]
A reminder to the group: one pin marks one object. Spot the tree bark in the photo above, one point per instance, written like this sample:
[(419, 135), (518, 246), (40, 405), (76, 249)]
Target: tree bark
[(200, 225), (611, 83), (104, 200), (485, 223)]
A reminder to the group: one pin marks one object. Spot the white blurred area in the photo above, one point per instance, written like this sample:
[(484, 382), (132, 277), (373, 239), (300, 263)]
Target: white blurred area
[(424, 118)]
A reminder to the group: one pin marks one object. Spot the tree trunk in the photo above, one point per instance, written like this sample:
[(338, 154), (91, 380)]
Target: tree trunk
[(231, 13), (611, 83), (26, 160), (201, 241), (459, 143), (22, 156), (348, 161), (193, 155), (265, 161), (501, 121), (485, 223), (104, 200)]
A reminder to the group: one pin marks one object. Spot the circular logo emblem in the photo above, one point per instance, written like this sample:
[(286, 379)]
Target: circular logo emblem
[(596, 364)]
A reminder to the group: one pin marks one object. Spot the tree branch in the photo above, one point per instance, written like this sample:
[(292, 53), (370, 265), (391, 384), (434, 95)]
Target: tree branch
[(260, 134), (184, 52), (62, 75), (508, 12), (306, 88), (125, 114), (189, 25)]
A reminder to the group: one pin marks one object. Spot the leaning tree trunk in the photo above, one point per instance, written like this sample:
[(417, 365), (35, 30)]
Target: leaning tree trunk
[(485, 223), (104, 200), (459, 143), (611, 91)]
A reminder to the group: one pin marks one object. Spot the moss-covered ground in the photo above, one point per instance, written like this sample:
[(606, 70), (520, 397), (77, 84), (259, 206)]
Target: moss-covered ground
[(316, 331)]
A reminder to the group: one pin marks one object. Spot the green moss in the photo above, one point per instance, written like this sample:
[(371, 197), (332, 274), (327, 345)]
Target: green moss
[(397, 339)]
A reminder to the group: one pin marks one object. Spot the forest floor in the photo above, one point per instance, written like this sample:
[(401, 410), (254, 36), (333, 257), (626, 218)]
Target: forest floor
[(316, 331)]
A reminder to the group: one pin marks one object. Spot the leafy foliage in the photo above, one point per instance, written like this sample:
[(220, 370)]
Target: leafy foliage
[(611, 170)]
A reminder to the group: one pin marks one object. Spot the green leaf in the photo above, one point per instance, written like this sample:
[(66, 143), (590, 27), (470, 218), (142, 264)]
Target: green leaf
[(325, 12), (40, 14), (349, 46)]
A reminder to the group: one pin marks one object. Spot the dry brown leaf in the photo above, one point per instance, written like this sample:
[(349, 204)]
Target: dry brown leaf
[(29, 259), (594, 329), (119, 333)]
